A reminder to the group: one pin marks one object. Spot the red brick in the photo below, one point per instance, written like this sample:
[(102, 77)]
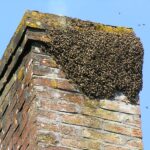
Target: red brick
[(56, 84), (136, 143), (111, 115), (58, 105), (86, 121), (120, 106)]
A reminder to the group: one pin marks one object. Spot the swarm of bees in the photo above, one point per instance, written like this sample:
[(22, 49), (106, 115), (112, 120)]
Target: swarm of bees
[(101, 63)]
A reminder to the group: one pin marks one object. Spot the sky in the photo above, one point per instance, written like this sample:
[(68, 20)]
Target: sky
[(128, 13)]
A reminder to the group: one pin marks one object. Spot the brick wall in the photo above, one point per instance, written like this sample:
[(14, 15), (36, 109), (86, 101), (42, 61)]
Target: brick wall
[(67, 119), (41, 109), (16, 108)]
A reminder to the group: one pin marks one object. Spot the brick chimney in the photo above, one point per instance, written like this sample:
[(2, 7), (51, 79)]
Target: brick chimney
[(67, 84)]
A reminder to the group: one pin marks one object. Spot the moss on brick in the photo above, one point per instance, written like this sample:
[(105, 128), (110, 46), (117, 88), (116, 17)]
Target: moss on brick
[(48, 138), (21, 73)]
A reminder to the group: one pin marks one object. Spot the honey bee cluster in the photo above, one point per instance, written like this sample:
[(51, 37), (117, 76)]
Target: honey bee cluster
[(101, 63)]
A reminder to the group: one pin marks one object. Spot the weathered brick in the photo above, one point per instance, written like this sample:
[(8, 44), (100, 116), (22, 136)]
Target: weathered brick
[(136, 132), (122, 129), (120, 106), (47, 72), (43, 146), (58, 105), (25, 144), (47, 137), (70, 130), (80, 143), (80, 120), (44, 60), (55, 83), (6, 123), (48, 126), (10, 146), (113, 147), (7, 88), (21, 73), (28, 130), (28, 76), (136, 143), (69, 97), (107, 137), (46, 113), (8, 136), (111, 115)]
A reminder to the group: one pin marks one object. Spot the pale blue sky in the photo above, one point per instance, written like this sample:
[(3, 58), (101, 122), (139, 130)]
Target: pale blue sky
[(129, 13)]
